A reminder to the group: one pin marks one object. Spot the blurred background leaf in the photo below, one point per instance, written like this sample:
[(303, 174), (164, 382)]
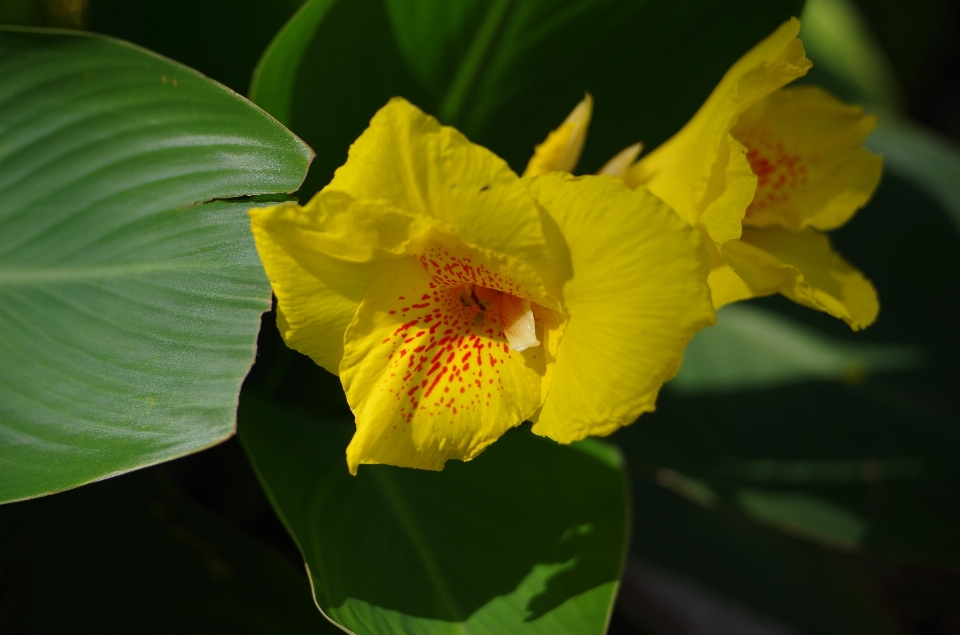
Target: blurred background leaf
[(529, 537), (695, 571), (132, 555), (751, 347), (128, 312)]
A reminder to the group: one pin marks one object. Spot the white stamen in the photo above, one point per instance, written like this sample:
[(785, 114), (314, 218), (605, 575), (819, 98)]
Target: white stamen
[(518, 323)]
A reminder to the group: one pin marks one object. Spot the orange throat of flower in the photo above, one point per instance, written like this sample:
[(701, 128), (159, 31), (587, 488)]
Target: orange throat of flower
[(516, 314)]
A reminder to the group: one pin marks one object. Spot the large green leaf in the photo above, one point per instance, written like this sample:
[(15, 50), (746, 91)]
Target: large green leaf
[(128, 312), (132, 556), (505, 72), (751, 347), (527, 538)]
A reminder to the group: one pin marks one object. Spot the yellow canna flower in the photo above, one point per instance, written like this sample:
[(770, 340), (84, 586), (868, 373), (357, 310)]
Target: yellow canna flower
[(761, 171), (456, 300)]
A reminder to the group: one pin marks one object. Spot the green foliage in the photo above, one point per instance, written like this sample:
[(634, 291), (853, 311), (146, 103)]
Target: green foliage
[(753, 348), (129, 297), (504, 73), (788, 462), (527, 538)]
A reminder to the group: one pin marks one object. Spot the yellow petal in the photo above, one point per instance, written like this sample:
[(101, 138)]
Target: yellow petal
[(317, 295), (560, 152), (621, 161), (803, 267), (405, 175), (804, 147), (406, 160), (637, 296), (726, 286), (427, 368), (694, 168)]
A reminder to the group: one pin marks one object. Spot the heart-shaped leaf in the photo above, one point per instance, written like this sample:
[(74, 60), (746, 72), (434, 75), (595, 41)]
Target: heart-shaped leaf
[(128, 312)]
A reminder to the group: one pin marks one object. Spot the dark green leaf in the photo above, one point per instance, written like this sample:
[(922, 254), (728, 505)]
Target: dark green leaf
[(131, 556), (527, 538), (128, 313)]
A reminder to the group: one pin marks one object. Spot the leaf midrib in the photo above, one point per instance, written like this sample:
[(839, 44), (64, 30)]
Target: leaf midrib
[(12, 276), (398, 505)]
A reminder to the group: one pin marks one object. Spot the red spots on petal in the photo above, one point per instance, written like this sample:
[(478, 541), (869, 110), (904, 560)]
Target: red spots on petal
[(780, 171), (457, 310)]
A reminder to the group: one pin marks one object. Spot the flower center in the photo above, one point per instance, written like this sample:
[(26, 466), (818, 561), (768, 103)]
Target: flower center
[(516, 314)]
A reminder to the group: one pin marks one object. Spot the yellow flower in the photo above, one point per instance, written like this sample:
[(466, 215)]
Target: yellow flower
[(456, 300), (762, 171)]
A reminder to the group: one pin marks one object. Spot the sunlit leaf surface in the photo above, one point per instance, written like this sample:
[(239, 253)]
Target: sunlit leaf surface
[(128, 312)]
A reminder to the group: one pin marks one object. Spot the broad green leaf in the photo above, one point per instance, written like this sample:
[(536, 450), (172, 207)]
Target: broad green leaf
[(132, 556), (129, 306), (527, 538), (505, 73), (751, 347)]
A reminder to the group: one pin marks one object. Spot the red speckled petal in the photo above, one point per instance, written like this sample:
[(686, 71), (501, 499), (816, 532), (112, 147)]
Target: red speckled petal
[(426, 366), (804, 147)]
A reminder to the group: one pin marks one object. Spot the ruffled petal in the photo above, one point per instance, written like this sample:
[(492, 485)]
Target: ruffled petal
[(405, 175), (804, 147), (637, 296), (406, 160), (317, 295), (726, 286), (697, 165), (560, 152), (805, 268), (427, 368)]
